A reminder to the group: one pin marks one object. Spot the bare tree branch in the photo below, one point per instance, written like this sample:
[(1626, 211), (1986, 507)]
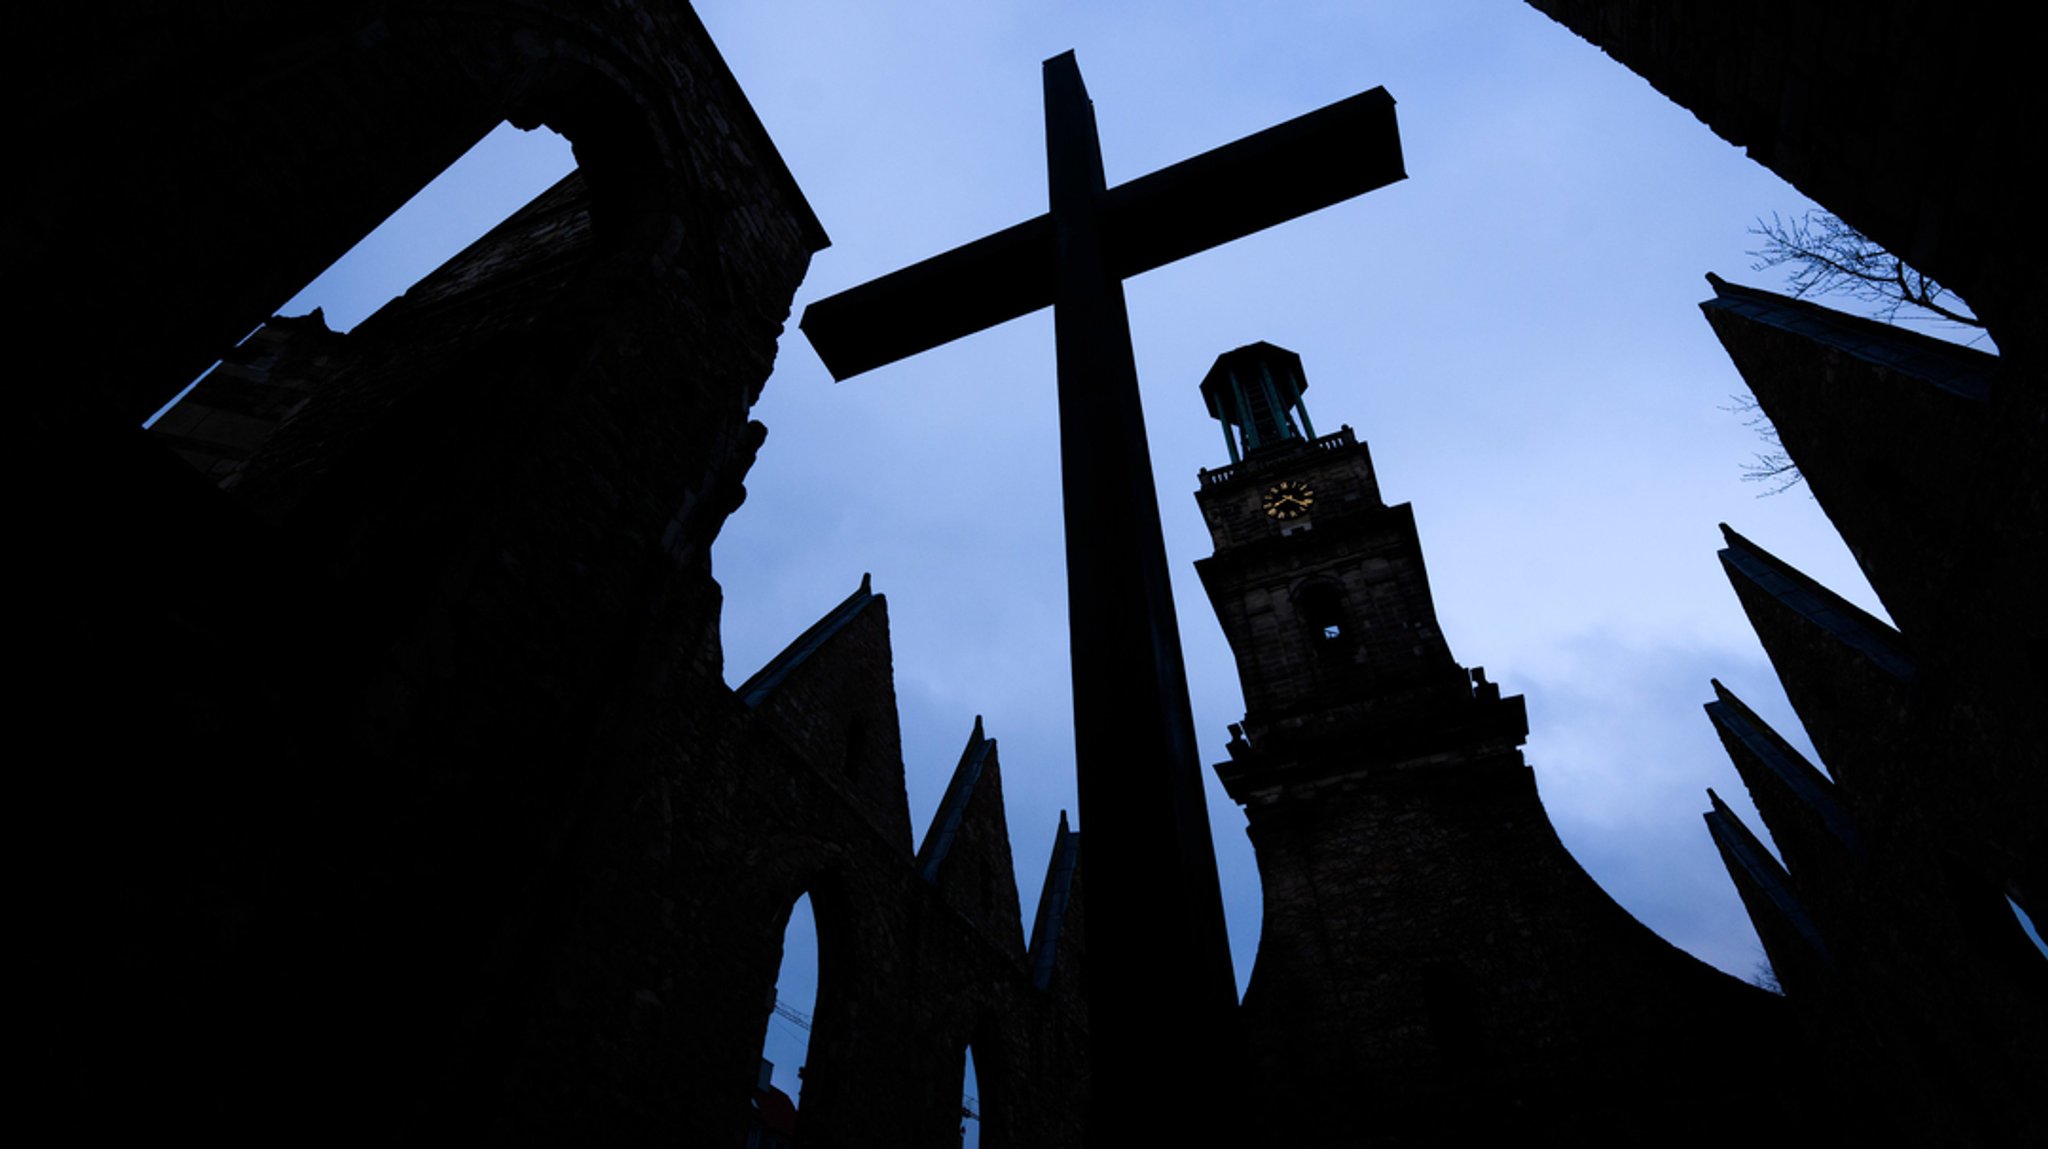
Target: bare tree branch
[(1774, 467), (1825, 256), (1828, 257)]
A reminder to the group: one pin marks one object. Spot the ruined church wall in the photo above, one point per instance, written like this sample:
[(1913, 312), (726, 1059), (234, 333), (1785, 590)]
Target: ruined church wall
[(346, 747), (593, 914), (235, 150), (661, 974)]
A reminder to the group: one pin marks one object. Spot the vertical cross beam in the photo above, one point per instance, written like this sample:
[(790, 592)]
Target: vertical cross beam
[(1161, 987)]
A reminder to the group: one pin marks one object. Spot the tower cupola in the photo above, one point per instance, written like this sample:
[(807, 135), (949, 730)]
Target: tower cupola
[(1255, 392)]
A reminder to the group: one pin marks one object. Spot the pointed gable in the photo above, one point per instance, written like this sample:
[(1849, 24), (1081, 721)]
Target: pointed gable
[(966, 850), (1898, 438), (763, 682), (1800, 805), (1790, 938), (831, 697), (1850, 677), (1056, 934)]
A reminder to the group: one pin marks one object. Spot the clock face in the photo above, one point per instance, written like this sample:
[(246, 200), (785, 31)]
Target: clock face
[(1287, 500)]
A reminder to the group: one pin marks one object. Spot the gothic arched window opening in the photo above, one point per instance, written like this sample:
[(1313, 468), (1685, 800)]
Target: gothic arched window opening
[(970, 1103), (795, 999)]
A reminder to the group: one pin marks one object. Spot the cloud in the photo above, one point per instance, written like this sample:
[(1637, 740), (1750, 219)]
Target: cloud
[(1623, 755)]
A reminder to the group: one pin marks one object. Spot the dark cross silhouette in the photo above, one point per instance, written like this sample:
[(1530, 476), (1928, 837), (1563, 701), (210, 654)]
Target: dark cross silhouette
[(1160, 987)]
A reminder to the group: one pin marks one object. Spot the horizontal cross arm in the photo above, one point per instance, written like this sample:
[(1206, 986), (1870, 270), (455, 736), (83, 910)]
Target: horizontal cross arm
[(1327, 156), (1291, 169), (992, 280)]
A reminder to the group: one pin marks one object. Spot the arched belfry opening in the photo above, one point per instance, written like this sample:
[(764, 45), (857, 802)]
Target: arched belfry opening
[(1320, 605)]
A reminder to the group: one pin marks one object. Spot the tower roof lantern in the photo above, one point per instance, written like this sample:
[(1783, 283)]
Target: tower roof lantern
[(1257, 390)]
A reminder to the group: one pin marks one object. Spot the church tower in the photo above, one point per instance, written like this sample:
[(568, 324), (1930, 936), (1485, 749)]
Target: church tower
[(1321, 589), (1432, 960)]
